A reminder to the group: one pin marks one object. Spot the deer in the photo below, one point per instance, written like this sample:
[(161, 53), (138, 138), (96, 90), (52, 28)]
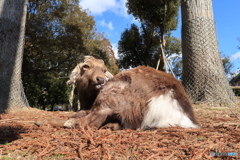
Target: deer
[(89, 76), (140, 98)]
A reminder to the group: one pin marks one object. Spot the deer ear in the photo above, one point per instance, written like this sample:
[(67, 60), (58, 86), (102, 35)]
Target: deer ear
[(73, 76), (87, 58)]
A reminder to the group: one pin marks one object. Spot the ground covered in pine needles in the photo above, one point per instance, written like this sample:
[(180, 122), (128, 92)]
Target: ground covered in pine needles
[(21, 139)]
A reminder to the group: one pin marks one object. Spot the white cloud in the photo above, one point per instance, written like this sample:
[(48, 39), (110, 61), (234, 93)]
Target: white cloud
[(115, 50), (120, 8), (235, 56), (109, 25), (98, 7)]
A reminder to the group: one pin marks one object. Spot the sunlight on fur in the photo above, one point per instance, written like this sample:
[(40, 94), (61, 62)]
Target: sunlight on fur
[(165, 111)]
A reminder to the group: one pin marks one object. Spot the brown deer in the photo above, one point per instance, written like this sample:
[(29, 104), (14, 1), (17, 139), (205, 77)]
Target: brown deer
[(89, 76), (142, 97)]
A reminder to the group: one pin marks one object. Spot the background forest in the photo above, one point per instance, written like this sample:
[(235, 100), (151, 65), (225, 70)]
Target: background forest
[(59, 33)]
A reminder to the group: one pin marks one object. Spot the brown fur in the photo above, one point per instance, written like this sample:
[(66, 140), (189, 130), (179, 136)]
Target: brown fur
[(125, 99), (126, 96), (90, 76)]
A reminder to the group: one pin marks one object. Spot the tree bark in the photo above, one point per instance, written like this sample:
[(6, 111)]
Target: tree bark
[(12, 30), (203, 73)]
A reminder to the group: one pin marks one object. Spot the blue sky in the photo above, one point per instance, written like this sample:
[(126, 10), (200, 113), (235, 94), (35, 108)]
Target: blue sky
[(111, 18)]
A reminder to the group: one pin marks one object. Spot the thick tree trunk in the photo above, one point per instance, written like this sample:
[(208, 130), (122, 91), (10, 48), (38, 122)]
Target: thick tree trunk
[(203, 74), (12, 30)]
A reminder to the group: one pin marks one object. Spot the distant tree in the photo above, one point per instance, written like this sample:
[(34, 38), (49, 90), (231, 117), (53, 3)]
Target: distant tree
[(134, 49), (227, 65), (112, 61), (203, 73), (140, 46), (176, 62), (173, 45), (162, 14), (58, 34), (12, 29)]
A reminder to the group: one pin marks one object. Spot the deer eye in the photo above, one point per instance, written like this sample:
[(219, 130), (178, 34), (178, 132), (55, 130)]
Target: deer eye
[(86, 66), (104, 69)]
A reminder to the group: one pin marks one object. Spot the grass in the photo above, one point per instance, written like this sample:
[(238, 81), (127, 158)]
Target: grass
[(5, 143), (56, 157)]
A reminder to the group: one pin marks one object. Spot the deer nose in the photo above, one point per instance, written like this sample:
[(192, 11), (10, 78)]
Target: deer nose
[(100, 80)]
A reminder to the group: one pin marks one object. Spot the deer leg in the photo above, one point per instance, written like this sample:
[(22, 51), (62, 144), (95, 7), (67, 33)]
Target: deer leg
[(96, 118), (80, 114)]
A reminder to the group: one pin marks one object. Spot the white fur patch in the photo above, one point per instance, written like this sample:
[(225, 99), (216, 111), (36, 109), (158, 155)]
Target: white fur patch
[(99, 86), (165, 111)]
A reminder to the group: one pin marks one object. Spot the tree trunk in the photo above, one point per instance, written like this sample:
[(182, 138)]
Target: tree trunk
[(12, 30), (203, 74), (162, 58)]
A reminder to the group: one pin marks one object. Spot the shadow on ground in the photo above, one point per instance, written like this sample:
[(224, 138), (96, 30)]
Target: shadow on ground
[(10, 133)]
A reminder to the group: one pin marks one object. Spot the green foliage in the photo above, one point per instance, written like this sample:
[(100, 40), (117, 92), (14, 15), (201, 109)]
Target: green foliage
[(177, 66), (161, 13), (133, 48), (227, 65), (56, 157), (5, 143), (7, 158), (58, 35), (173, 45), (140, 46)]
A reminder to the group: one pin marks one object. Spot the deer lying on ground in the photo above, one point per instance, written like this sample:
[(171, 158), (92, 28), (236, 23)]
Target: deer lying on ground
[(141, 98)]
